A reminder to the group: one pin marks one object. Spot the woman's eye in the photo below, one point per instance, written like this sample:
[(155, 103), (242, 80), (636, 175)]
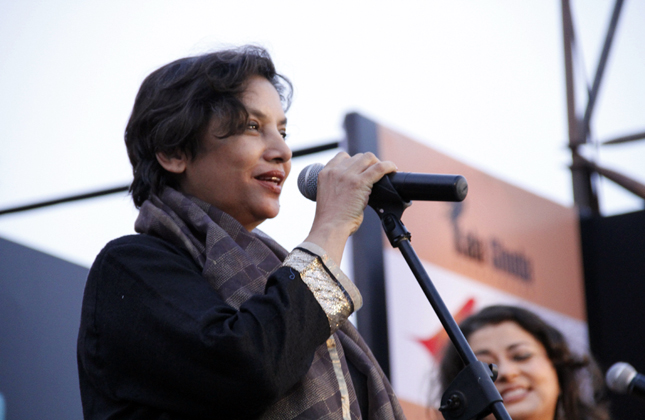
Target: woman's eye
[(522, 356), (283, 134), (253, 126)]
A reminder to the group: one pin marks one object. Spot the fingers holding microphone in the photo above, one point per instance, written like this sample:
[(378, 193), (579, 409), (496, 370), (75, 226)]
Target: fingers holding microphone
[(344, 186)]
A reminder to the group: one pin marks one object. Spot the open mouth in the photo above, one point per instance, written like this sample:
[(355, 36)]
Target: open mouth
[(272, 180), (275, 179)]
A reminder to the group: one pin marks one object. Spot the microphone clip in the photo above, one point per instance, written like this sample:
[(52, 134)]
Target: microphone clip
[(389, 207)]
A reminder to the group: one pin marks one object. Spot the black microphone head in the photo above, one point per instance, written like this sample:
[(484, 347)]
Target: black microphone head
[(308, 180), (620, 376)]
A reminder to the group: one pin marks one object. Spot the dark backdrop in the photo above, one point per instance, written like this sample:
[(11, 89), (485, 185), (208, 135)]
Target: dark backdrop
[(40, 306), (614, 265)]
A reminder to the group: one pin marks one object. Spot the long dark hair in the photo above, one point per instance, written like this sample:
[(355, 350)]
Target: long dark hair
[(176, 102), (572, 405)]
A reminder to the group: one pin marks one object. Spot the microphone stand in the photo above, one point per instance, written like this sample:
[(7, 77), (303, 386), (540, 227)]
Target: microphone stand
[(472, 394)]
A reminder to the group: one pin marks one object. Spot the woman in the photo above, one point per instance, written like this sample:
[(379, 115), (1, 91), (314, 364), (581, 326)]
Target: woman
[(200, 315), (539, 377)]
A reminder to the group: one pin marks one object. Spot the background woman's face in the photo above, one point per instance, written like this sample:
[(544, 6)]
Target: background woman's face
[(243, 174), (527, 380)]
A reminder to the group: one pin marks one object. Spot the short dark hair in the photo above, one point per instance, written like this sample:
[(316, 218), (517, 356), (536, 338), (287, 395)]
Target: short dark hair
[(567, 365), (176, 102)]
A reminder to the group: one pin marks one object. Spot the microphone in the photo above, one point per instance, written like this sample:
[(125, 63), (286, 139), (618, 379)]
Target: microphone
[(623, 379), (409, 185)]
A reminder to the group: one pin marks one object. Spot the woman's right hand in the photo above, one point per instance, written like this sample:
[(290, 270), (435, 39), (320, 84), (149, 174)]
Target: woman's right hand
[(344, 187)]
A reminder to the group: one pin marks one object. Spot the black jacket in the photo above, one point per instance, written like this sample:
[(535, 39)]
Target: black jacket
[(157, 342)]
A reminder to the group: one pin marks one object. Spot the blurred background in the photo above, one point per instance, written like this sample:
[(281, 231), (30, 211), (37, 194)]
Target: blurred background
[(482, 81)]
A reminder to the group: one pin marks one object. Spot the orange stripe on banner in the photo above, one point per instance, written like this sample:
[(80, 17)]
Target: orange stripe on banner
[(500, 235)]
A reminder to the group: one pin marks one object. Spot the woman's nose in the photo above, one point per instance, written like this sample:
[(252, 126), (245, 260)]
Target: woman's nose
[(506, 370), (277, 147)]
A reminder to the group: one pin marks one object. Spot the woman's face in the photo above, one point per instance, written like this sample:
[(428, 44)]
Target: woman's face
[(243, 174), (527, 380)]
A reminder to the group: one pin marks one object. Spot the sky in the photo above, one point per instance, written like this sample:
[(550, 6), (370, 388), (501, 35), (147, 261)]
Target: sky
[(482, 81)]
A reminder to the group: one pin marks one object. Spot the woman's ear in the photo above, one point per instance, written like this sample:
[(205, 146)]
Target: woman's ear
[(175, 163)]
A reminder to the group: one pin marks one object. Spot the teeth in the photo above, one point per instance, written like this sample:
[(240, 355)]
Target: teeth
[(514, 392), (271, 178)]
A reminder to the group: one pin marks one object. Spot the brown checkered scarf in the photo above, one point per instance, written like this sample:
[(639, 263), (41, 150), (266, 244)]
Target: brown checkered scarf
[(237, 264)]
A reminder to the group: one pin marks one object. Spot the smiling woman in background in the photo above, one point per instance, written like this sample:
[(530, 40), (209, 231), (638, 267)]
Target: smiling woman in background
[(200, 315), (539, 377)]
